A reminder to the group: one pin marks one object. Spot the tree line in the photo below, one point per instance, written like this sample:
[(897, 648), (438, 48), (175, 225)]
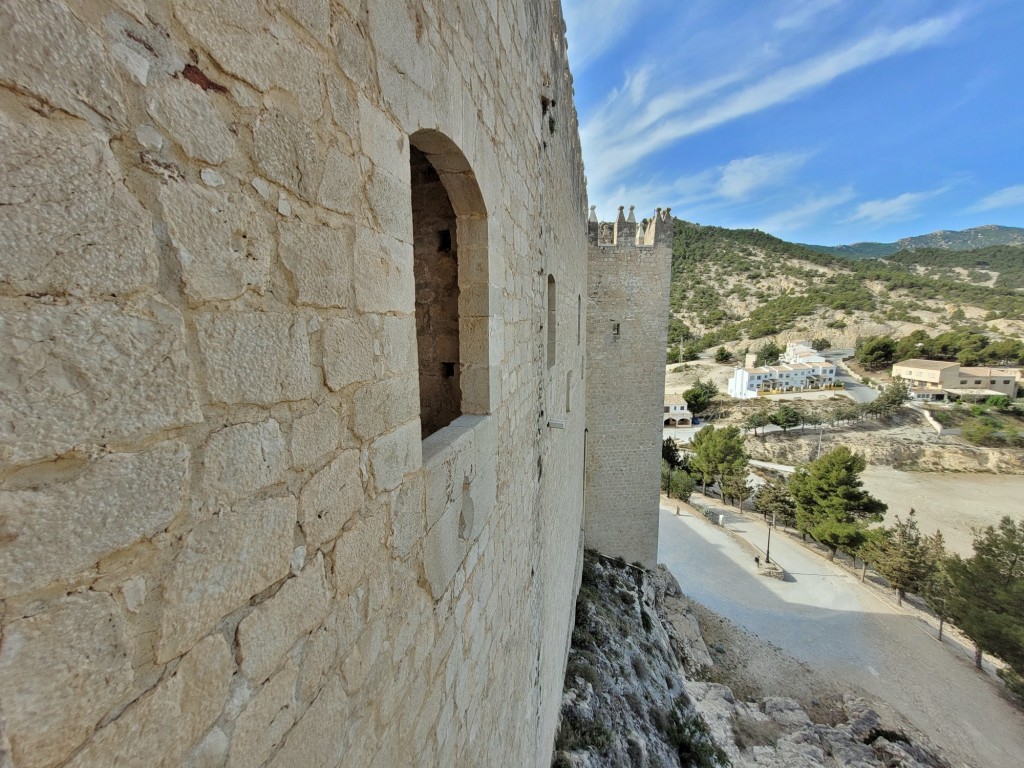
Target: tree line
[(966, 346), (982, 594), (825, 501)]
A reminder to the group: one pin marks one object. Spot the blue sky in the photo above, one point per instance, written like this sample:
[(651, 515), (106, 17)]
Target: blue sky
[(821, 121)]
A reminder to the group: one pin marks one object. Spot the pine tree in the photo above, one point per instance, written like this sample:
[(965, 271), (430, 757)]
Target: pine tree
[(670, 453), (757, 419), (787, 417), (831, 506), (773, 498), (902, 555), (719, 454), (681, 485), (989, 601), (736, 488), (938, 589)]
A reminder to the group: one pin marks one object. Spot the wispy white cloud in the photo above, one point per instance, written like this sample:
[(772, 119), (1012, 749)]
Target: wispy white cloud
[(635, 122), (741, 177), (594, 28), (709, 189), (805, 213), (899, 208), (1007, 197), (802, 12)]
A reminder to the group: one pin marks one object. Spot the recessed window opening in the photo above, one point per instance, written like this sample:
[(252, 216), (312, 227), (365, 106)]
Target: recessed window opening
[(615, 331), (436, 270), (552, 317), (450, 269), (579, 318)]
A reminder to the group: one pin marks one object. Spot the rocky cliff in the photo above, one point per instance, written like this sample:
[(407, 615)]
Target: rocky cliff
[(633, 698)]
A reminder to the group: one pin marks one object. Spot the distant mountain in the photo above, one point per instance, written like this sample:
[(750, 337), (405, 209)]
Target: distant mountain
[(734, 287), (964, 240)]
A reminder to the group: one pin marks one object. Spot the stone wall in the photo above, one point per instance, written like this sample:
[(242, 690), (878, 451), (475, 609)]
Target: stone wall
[(222, 538), (627, 326)]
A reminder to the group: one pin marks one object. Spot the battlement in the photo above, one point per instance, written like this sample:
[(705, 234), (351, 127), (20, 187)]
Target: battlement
[(625, 231)]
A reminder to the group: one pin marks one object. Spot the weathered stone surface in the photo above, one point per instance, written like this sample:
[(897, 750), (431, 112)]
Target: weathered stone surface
[(211, 752), (408, 518), (383, 273), (320, 738), (383, 141), (314, 435), (89, 374), (382, 406), (395, 455), (187, 113), (443, 552), (314, 15), (265, 721), (341, 188), (320, 260), (49, 52), (54, 691), (67, 223), (319, 658), (357, 550), (255, 357), (400, 345), (266, 634), (226, 154), (65, 527), (330, 498), (224, 246), (191, 699), (285, 151), (348, 352), (246, 42), (244, 458), (352, 52), (224, 562)]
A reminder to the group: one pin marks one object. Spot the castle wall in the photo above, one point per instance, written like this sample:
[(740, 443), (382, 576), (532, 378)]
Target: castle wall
[(222, 538), (627, 311)]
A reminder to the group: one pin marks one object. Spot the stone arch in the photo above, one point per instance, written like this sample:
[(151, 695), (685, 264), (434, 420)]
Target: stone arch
[(450, 248)]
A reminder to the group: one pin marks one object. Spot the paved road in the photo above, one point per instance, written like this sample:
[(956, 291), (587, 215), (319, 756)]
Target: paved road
[(827, 619)]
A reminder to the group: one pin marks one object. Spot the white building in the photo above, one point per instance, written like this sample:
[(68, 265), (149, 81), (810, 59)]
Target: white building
[(801, 352), (785, 377), (677, 414)]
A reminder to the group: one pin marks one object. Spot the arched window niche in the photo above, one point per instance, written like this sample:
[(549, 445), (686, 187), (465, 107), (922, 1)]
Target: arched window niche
[(552, 320), (452, 289), (459, 348)]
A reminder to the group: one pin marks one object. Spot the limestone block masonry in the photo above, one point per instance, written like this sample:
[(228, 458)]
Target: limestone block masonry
[(223, 538), (627, 325)]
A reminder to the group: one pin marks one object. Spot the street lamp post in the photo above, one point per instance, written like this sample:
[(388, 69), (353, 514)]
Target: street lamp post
[(768, 550)]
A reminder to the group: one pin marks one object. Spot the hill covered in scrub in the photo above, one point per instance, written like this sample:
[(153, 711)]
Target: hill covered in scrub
[(733, 286)]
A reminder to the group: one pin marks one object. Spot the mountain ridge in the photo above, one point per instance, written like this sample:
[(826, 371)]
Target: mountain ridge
[(735, 286), (969, 239)]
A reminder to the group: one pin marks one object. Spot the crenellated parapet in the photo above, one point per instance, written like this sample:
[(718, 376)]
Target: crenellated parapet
[(625, 231)]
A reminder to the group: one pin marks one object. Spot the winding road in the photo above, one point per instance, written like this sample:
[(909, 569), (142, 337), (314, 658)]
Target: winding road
[(823, 616)]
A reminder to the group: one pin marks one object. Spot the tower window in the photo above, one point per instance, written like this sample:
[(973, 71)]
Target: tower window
[(450, 268), (552, 317)]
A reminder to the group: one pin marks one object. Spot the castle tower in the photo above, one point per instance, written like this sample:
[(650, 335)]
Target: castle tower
[(627, 321)]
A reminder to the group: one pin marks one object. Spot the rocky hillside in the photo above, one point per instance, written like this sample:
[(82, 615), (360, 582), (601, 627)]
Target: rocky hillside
[(735, 287), (632, 695)]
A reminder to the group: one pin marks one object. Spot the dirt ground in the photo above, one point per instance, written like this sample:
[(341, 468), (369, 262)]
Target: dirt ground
[(681, 376), (953, 502)]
